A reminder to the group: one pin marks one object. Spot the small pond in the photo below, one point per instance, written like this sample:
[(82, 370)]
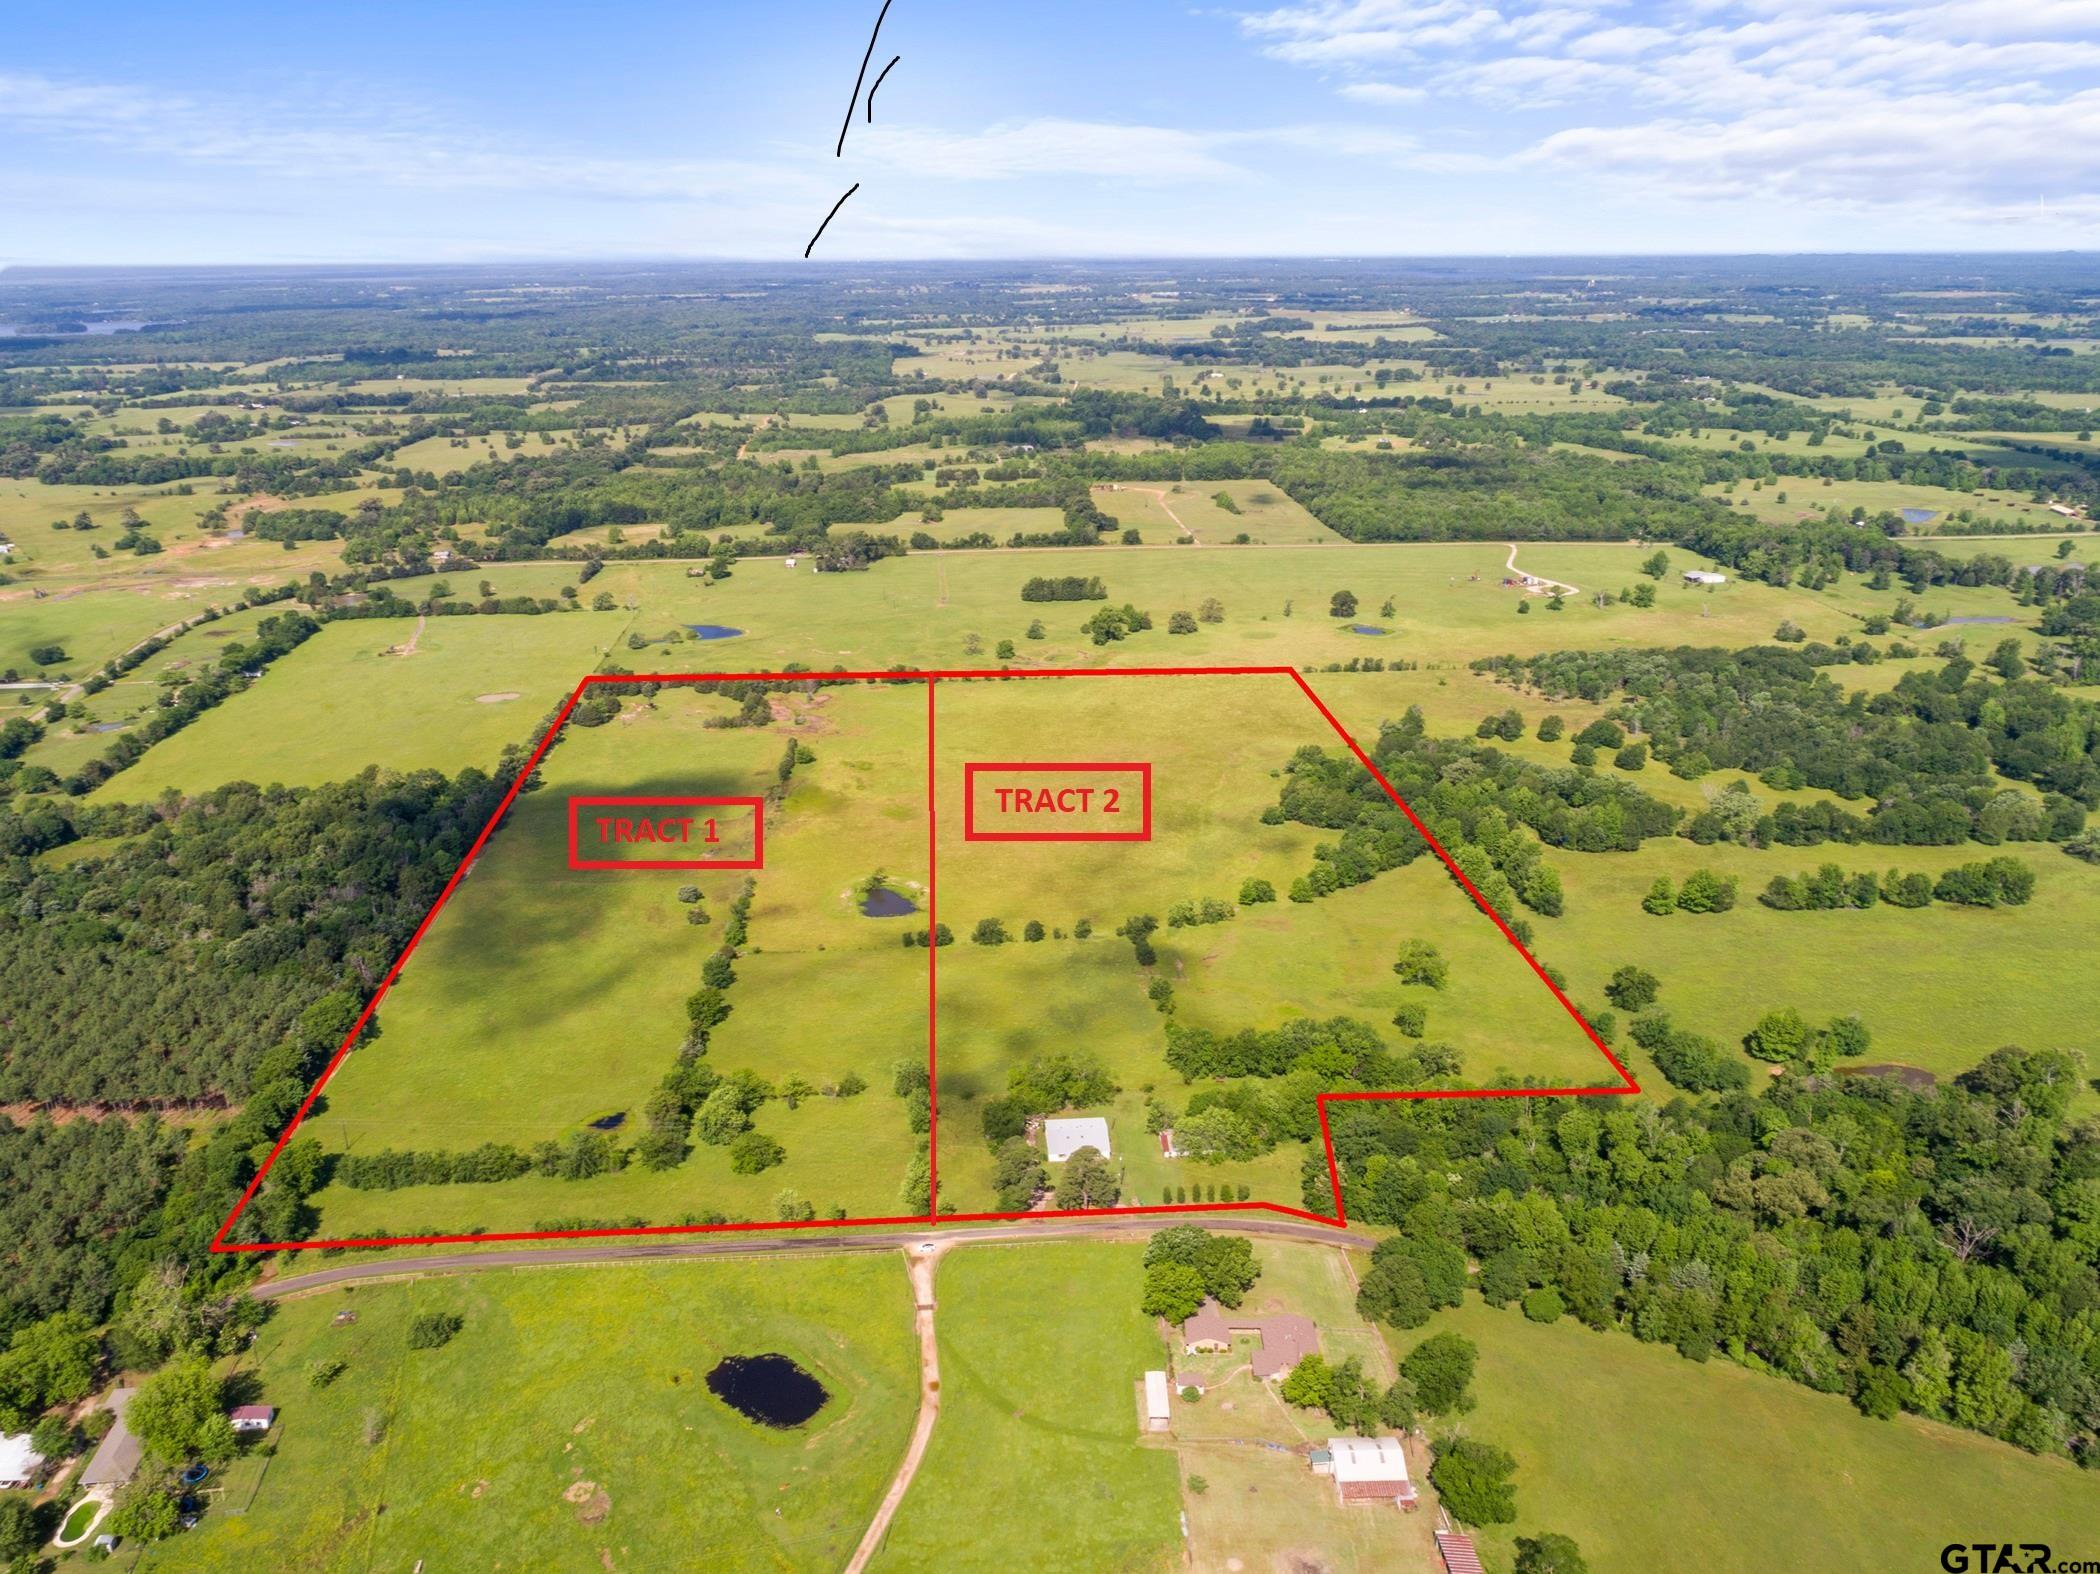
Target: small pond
[(1951, 622), (769, 1389), (1919, 516), (713, 631), (612, 1122), (882, 902), (1365, 628)]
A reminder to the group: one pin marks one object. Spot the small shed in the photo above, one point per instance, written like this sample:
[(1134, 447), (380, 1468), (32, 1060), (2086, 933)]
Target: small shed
[(1063, 1138), (1157, 1414), (253, 1418), (1703, 576), (1322, 1462)]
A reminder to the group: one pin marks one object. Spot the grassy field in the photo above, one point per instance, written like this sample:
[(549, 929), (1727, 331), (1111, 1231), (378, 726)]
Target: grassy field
[(1651, 1462), (565, 1383), (345, 699), (1173, 508), (1216, 745), (545, 998), (1041, 1347)]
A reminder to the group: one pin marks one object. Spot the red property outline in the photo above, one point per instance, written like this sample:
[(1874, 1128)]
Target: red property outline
[(1138, 768), (933, 1216), (757, 860)]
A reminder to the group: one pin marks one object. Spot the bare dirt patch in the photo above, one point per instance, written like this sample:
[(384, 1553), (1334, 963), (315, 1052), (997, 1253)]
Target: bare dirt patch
[(498, 698), (592, 1501)]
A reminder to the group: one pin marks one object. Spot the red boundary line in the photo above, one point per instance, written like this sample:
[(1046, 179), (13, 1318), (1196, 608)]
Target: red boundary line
[(930, 677)]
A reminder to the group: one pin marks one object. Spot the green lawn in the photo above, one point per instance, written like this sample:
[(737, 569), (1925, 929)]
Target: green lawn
[(565, 1382), (1652, 1462), (1035, 1460)]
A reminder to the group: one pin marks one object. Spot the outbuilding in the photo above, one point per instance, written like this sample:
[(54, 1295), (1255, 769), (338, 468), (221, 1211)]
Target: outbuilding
[(1371, 1470), (1704, 576), (1157, 1414), (253, 1418), (1063, 1138)]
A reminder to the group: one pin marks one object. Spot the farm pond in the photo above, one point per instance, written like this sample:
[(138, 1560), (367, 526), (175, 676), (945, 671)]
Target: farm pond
[(769, 1389)]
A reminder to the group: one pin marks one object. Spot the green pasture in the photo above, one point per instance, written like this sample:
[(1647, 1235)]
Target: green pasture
[(546, 997), (345, 700), (1651, 1461), (565, 1383), (1939, 987), (1041, 1348)]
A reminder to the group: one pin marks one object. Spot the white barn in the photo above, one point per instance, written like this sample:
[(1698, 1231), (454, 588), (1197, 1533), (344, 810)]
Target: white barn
[(1702, 576), (1063, 1138)]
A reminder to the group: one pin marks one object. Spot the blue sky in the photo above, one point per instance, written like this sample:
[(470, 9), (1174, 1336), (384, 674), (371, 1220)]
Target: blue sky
[(133, 131)]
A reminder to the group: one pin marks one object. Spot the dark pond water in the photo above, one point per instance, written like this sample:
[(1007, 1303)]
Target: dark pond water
[(612, 1122), (1365, 628), (885, 903), (769, 1389), (713, 631)]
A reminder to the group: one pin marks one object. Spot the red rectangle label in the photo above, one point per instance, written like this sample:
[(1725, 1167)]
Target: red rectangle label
[(1057, 801), (667, 833)]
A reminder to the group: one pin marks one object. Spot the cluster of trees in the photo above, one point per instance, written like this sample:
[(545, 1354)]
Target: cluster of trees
[(1115, 623), (1923, 752), (1991, 882), (1070, 587), (1930, 1250), (1186, 1264), (1702, 891), (1477, 801), (583, 1155)]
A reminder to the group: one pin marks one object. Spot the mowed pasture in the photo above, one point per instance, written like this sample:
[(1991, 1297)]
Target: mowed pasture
[(1716, 1467), (1217, 747), (569, 1425), (926, 609), (348, 698), (545, 998), (1041, 1349), (1197, 509)]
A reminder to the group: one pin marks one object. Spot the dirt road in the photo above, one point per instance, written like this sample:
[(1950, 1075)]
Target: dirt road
[(1551, 584), (921, 1264)]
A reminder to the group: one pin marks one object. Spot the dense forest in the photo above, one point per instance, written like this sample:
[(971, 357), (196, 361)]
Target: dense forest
[(163, 970), (1934, 1252)]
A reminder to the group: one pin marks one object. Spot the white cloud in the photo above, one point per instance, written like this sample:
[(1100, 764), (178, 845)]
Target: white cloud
[(1943, 105), (1382, 93)]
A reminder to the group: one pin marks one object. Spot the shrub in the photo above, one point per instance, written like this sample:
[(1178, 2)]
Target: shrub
[(753, 1152), (430, 1330)]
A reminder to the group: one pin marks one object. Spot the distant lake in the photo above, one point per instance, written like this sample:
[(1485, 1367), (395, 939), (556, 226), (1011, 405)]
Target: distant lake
[(11, 330)]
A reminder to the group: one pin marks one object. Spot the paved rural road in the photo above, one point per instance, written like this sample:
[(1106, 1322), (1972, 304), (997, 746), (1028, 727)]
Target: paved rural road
[(786, 1244)]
